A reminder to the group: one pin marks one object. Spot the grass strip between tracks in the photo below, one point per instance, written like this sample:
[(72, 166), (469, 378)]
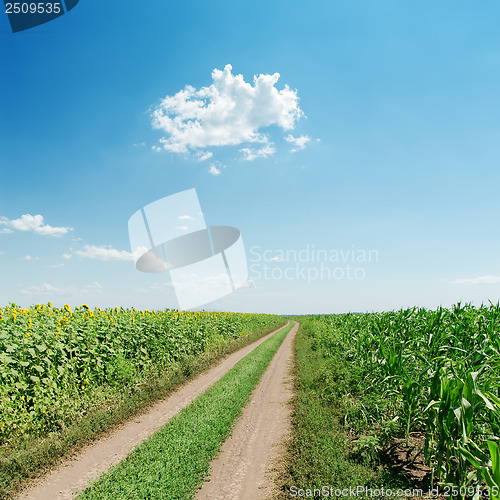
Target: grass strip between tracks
[(173, 462)]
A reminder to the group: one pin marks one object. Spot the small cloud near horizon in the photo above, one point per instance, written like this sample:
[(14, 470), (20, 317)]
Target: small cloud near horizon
[(104, 253), (480, 280), (34, 223)]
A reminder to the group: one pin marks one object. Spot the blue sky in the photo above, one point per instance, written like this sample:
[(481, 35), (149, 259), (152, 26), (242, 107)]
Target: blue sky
[(393, 107)]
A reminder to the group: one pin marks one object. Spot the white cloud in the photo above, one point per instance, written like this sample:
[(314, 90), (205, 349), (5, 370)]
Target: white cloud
[(251, 154), (5, 230), (227, 113), (95, 287), (204, 155), (33, 223), (47, 288), (44, 288), (481, 280), (214, 170), (103, 253), (298, 143), (182, 228), (67, 256), (199, 285), (156, 287), (139, 145), (185, 217)]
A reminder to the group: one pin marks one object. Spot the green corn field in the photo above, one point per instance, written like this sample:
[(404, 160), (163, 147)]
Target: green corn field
[(436, 373)]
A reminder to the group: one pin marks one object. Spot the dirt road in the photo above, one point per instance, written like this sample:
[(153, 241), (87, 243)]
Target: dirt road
[(74, 475), (242, 470)]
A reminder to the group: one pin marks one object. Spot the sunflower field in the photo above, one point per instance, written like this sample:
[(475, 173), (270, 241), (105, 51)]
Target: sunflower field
[(57, 364)]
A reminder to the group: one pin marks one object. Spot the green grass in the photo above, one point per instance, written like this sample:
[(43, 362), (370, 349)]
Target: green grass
[(32, 456), (174, 461), (320, 452)]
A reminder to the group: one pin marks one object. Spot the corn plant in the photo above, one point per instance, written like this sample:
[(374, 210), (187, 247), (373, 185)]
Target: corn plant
[(440, 370)]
